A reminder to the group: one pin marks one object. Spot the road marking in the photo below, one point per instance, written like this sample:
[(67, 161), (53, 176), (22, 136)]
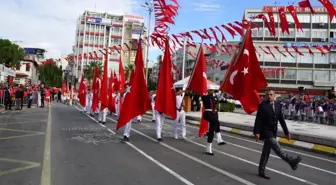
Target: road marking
[(276, 171), (250, 149), (3, 112), (28, 163), (32, 133), (179, 177), (15, 130), (22, 122), (45, 177), (198, 160), (301, 153)]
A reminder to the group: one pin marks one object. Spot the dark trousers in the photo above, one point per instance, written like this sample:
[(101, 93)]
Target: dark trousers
[(42, 101), (8, 103), (214, 126), (21, 103), (272, 143), (29, 102)]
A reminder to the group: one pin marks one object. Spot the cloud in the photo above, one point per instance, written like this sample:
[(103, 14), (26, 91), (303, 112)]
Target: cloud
[(206, 7), (51, 24)]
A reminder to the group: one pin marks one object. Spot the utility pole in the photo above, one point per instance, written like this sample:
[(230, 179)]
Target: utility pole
[(150, 9)]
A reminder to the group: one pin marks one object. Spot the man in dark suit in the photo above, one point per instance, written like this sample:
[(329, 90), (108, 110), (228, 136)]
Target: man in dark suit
[(211, 115), (8, 99), (266, 127)]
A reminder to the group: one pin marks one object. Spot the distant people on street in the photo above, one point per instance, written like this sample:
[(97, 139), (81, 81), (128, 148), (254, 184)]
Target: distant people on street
[(8, 99), (42, 93)]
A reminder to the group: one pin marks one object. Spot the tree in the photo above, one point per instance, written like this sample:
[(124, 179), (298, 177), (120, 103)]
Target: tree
[(128, 69), (10, 53), (88, 73), (50, 74)]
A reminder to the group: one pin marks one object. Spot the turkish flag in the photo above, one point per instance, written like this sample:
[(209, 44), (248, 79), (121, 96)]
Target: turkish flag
[(95, 88), (104, 98), (137, 100), (165, 100), (245, 77), (130, 81), (283, 21), (198, 78), (64, 87), (82, 92), (198, 83), (116, 83), (122, 80), (111, 105)]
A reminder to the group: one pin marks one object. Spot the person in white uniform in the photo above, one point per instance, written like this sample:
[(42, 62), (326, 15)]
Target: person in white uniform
[(139, 118), (117, 103), (153, 105), (89, 97), (102, 115), (160, 117), (128, 126), (181, 117)]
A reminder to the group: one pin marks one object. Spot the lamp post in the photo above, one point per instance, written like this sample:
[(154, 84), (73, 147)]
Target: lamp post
[(150, 9)]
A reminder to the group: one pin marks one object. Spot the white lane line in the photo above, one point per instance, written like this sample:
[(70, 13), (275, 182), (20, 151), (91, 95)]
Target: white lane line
[(193, 158), (250, 149), (255, 164), (250, 141), (179, 177)]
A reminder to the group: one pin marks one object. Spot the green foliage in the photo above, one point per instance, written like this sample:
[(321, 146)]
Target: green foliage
[(128, 69), (88, 74), (227, 107), (51, 75), (10, 53)]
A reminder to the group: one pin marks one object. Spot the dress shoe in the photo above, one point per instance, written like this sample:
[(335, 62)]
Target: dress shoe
[(263, 176), (126, 139), (159, 139), (295, 162), (103, 123), (208, 153)]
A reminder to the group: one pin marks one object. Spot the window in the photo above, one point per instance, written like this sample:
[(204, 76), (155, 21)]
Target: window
[(289, 18), (27, 67), (320, 59), (333, 58), (306, 58), (305, 75), (290, 74), (304, 18), (319, 33), (320, 18), (270, 58), (304, 34), (321, 75), (332, 75), (289, 59)]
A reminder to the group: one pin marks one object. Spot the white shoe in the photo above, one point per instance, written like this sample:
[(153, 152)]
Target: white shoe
[(219, 139), (208, 149), (176, 137)]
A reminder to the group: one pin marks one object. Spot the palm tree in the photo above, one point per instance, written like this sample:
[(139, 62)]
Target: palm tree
[(128, 69), (88, 73)]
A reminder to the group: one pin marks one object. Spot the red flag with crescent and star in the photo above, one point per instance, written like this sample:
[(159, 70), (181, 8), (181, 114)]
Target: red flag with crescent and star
[(245, 77)]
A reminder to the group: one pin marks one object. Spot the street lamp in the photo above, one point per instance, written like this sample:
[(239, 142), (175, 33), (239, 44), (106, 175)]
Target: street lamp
[(150, 9)]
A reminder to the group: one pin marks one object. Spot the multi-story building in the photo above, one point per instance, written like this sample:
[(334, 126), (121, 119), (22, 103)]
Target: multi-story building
[(96, 31), (27, 70), (316, 73)]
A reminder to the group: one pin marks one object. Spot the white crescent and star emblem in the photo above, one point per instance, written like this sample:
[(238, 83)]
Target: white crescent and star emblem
[(233, 74), (245, 71)]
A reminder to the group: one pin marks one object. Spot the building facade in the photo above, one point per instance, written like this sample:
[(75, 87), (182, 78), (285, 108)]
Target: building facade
[(26, 73), (317, 73), (96, 31)]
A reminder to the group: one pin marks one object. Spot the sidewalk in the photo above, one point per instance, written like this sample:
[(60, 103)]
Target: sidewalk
[(301, 131)]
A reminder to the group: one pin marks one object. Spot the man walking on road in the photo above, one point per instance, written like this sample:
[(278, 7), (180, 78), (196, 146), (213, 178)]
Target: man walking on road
[(181, 117), (42, 95), (211, 115), (266, 128)]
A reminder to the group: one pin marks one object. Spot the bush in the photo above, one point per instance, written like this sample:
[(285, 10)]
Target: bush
[(227, 107)]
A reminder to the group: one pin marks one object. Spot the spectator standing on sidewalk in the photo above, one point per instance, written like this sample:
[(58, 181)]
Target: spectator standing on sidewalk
[(42, 95), (30, 97), (8, 99)]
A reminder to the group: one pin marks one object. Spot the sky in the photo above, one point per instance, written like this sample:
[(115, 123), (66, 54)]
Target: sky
[(51, 24)]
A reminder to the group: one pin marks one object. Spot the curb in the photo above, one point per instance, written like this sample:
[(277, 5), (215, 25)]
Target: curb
[(292, 143)]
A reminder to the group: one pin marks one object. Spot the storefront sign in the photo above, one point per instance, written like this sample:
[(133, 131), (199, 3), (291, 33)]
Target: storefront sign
[(133, 18), (297, 8), (98, 20), (5, 71), (311, 45)]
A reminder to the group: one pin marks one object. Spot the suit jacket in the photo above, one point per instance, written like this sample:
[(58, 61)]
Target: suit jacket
[(266, 122)]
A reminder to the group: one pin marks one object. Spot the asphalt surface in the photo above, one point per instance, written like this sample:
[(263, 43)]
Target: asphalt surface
[(80, 151)]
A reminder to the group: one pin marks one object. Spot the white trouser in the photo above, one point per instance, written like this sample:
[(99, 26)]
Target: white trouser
[(117, 109), (38, 99), (153, 110), (139, 117), (98, 109), (127, 130), (180, 118), (102, 115), (159, 122), (88, 107)]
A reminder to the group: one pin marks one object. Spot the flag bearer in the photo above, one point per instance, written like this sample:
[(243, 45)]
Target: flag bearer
[(153, 105), (211, 115), (128, 126), (117, 103), (89, 97), (180, 115), (160, 117), (102, 115)]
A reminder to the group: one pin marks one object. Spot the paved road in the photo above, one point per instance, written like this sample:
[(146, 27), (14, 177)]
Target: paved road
[(79, 151)]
